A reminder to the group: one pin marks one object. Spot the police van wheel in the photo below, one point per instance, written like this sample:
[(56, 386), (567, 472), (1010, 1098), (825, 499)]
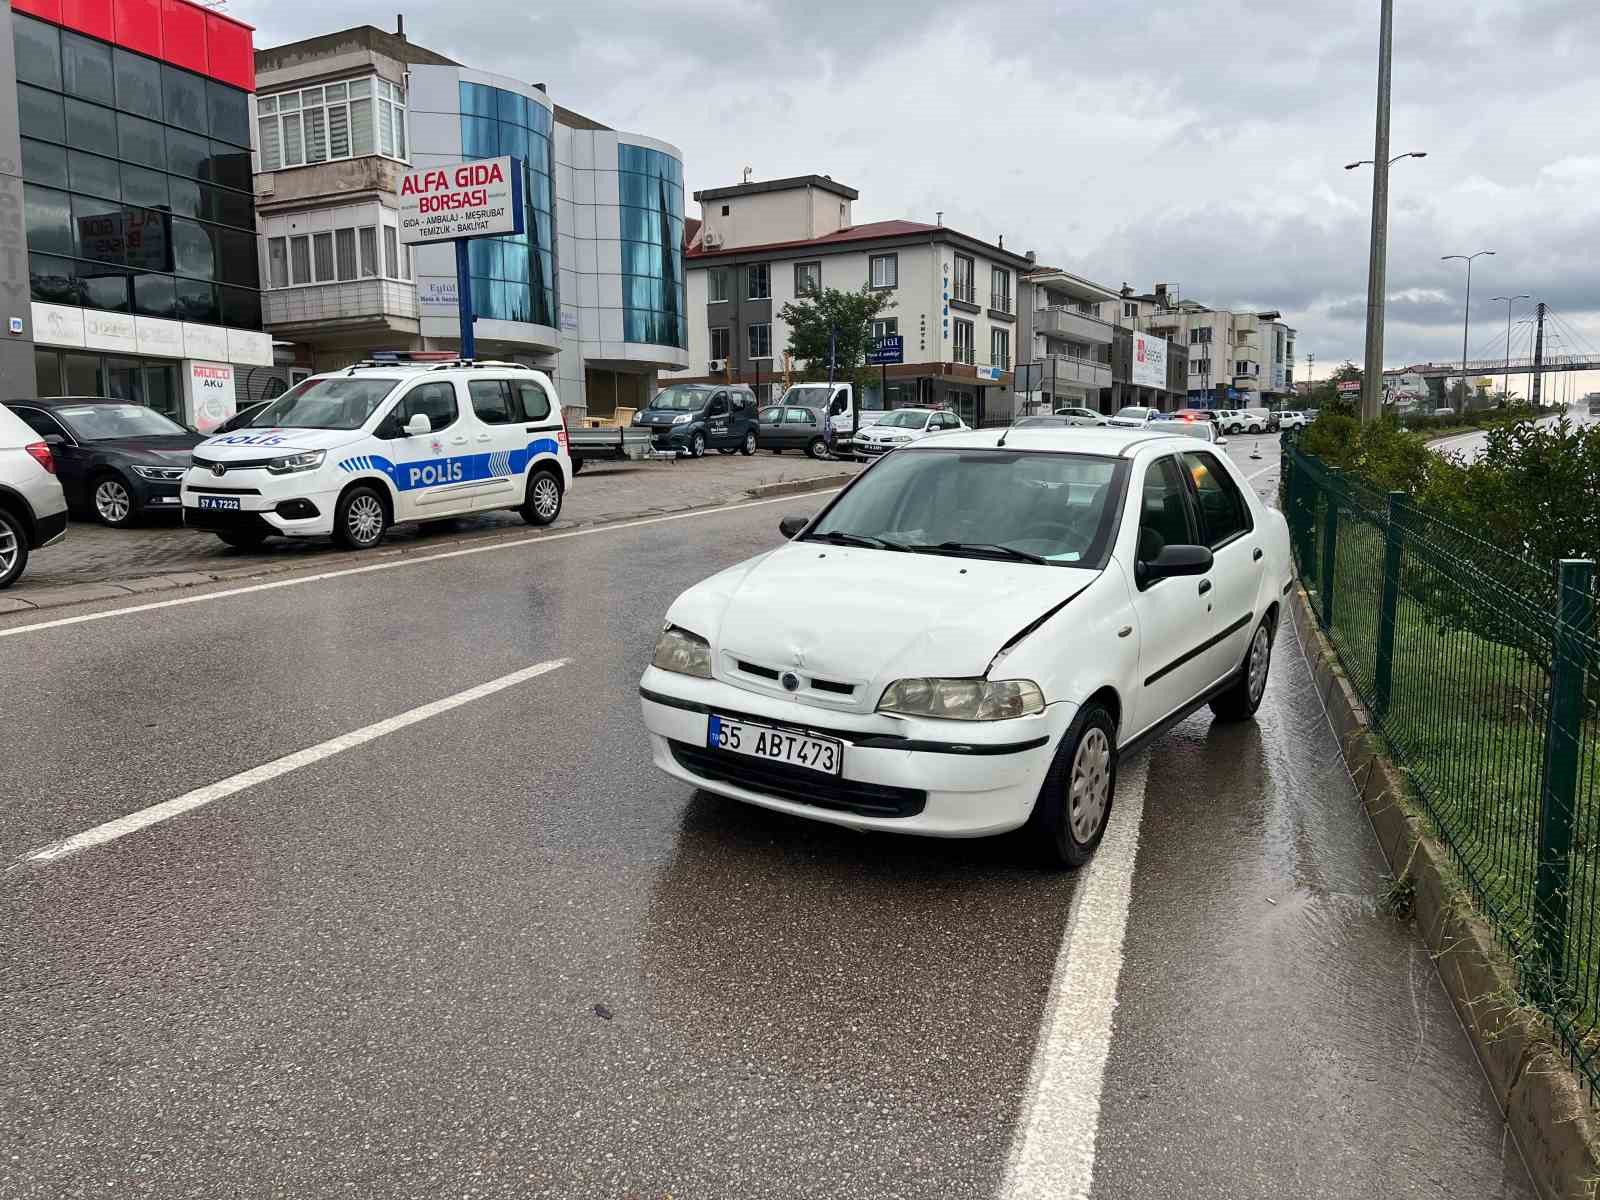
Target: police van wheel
[(543, 504), (360, 521)]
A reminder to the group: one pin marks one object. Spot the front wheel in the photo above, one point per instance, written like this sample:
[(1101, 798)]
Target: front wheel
[(113, 502), (697, 446), (1069, 817), (543, 504), (817, 449), (749, 446), (13, 549), (1243, 697), (360, 521)]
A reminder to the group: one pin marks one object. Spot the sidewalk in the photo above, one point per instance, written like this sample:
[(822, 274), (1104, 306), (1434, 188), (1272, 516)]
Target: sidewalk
[(96, 563)]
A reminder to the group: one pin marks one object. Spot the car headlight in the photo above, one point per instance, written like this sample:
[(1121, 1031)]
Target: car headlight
[(898, 440), (683, 418), (162, 474), (683, 652), (307, 460), (638, 418), (963, 699)]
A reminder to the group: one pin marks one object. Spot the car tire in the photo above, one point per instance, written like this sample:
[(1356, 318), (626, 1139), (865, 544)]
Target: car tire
[(817, 448), (543, 504), (1060, 831), (111, 500), (243, 539), (1243, 696), (697, 446), (749, 446), (360, 519), (1255, 429), (13, 548)]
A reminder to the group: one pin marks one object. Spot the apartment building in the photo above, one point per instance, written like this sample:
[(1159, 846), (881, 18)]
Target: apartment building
[(954, 299), (592, 292), (1235, 359)]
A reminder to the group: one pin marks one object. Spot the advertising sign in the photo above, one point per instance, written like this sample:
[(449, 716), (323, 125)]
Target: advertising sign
[(1349, 386), (482, 198), (1149, 360), (211, 395), (886, 351)]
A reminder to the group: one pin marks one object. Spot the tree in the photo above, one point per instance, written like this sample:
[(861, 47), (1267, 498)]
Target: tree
[(845, 319), (1325, 394)]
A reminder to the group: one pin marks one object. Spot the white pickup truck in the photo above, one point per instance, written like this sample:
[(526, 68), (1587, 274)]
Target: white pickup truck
[(837, 398)]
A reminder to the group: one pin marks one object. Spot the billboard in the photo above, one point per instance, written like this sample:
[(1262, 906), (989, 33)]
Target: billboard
[(482, 198), (1149, 360)]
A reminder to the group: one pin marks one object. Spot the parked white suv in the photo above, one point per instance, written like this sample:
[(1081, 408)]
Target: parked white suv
[(1291, 420), (353, 452), (33, 510)]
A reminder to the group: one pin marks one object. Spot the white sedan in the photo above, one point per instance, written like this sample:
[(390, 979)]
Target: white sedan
[(970, 635), (902, 427)]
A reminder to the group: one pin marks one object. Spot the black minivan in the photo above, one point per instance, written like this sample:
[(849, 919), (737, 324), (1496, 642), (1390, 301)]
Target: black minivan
[(691, 417)]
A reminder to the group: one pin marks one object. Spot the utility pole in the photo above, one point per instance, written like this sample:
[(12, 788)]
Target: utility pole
[(1505, 383), (1538, 355), (1372, 377)]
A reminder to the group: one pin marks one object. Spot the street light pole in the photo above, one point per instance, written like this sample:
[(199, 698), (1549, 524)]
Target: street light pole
[(1505, 383), (1466, 319), (1372, 378)]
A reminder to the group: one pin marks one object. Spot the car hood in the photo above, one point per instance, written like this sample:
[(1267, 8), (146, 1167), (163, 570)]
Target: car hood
[(885, 432), (249, 444), (165, 450), (665, 416), (870, 616)]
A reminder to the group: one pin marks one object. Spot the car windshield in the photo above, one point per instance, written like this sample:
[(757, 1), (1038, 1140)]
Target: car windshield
[(806, 395), (681, 398), (102, 422), (1053, 509), (337, 403), (905, 418), (1137, 414)]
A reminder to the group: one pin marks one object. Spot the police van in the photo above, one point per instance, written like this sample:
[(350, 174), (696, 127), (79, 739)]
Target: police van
[(401, 438)]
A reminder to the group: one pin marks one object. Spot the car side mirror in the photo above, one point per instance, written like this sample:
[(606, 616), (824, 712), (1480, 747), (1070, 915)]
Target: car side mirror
[(1222, 441), (1175, 560), (419, 425), (790, 526)]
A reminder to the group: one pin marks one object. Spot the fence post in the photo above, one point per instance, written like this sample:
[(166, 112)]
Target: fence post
[(1562, 738), (1383, 676), (1330, 540)]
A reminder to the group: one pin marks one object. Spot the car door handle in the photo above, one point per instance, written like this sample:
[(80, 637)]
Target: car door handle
[(1205, 586), (484, 437), (1255, 555), (459, 440)]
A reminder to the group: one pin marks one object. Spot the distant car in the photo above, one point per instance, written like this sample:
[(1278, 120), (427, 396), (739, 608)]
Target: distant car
[(787, 427), (1291, 420), (116, 460), (689, 417), (1133, 417), (900, 428), (1205, 431), (1243, 420), (1081, 416), (1050, 421), (33, 510)]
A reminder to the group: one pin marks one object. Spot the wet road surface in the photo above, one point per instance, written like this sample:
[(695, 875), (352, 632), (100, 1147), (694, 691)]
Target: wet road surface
[(492, 954)]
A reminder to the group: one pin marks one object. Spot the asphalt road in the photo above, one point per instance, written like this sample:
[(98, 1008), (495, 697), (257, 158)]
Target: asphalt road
[(492, 954)]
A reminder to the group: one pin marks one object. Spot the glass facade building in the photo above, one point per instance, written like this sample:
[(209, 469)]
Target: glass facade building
[(138, 190), (514, 277), (650, 195)]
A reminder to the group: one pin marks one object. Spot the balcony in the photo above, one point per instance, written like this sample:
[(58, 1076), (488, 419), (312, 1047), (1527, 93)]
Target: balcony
[(1071, 325), (1062, 370), (358, 305)]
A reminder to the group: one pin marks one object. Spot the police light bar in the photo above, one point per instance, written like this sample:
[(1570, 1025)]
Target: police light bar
[(397, 356)]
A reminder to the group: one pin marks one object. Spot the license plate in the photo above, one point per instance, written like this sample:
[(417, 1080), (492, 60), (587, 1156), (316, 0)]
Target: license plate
[(775, 745), (219, 502)]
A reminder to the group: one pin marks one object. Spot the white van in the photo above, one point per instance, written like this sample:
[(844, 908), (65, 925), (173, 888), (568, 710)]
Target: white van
[(352, 452)]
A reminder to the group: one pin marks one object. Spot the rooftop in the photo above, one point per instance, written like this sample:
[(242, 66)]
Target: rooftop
[(871, 231), (821, 182)]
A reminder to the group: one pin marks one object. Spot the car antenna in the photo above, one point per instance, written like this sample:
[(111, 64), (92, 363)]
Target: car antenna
[(1004, 433)]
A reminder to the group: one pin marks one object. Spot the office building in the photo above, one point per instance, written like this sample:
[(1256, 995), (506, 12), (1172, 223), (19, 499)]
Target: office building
[(1235, 359)]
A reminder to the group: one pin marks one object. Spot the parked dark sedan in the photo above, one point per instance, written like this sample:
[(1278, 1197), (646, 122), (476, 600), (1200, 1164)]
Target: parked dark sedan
[(116, 460), (784, 427)]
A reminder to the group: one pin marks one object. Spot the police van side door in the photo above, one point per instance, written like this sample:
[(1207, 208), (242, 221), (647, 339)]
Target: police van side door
[(430, 470)]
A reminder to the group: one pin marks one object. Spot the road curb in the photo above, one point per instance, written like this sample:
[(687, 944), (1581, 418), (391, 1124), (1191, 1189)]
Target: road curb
[(1540, 1097), (114, 589)]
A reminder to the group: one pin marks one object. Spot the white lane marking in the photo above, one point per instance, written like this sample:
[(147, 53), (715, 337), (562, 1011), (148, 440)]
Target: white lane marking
[(393, 564), (1260, 473), (110, 831), (1052, 1154)]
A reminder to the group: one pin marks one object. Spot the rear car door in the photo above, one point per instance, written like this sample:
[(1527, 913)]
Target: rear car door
[(800, 425), (432, 471), (1173, 614), (541, 433), (72, 463), (1228, 528), (497, 405)]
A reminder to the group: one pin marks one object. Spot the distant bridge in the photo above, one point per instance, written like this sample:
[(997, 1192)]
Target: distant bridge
[(1555, 364)]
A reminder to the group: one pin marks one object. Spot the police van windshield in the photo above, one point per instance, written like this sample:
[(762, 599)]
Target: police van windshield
[(325, 404), (682, 397)]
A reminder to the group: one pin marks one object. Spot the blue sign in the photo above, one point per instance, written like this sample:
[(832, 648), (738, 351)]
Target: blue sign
[(887, 350)]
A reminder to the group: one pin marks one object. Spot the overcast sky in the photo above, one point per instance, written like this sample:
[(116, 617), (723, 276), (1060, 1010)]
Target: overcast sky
[(1194, 142)]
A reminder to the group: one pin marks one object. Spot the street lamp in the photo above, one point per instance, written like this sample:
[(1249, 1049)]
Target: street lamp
[(1466, 319), (1505, 384), (1367, 162), (1372, 375)]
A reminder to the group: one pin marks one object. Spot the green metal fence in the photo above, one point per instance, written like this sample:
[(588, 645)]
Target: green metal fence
[(1482, 673)]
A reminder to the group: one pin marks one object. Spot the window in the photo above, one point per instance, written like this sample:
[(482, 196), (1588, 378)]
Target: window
[(300, 259), (184, 97), (758, 279), (884, 270), (799, 416), (369, 252), (1223, 511), (38, 51), (883, 327), (1130, 309), (138, 83), (716, 286), (345, 242), (436, 401), (724, 210), (495, 402), (322, 256), (1200, 366), (807, 278), (964, 288), (535, 400), (1000, 289), (1200, 337), (86, 68), (963, 340), (391, 252), (760, 341), (720, 347), (650, 198), (1163, 511), (338, 120), (277, 262), (1000, 348)]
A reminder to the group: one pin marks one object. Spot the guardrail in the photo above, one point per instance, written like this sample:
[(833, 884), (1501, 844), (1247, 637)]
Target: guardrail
[(1481, 671)]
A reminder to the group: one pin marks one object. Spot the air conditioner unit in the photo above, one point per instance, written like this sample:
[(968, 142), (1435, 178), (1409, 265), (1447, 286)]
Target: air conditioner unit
[(710, 238), (718, 365)]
